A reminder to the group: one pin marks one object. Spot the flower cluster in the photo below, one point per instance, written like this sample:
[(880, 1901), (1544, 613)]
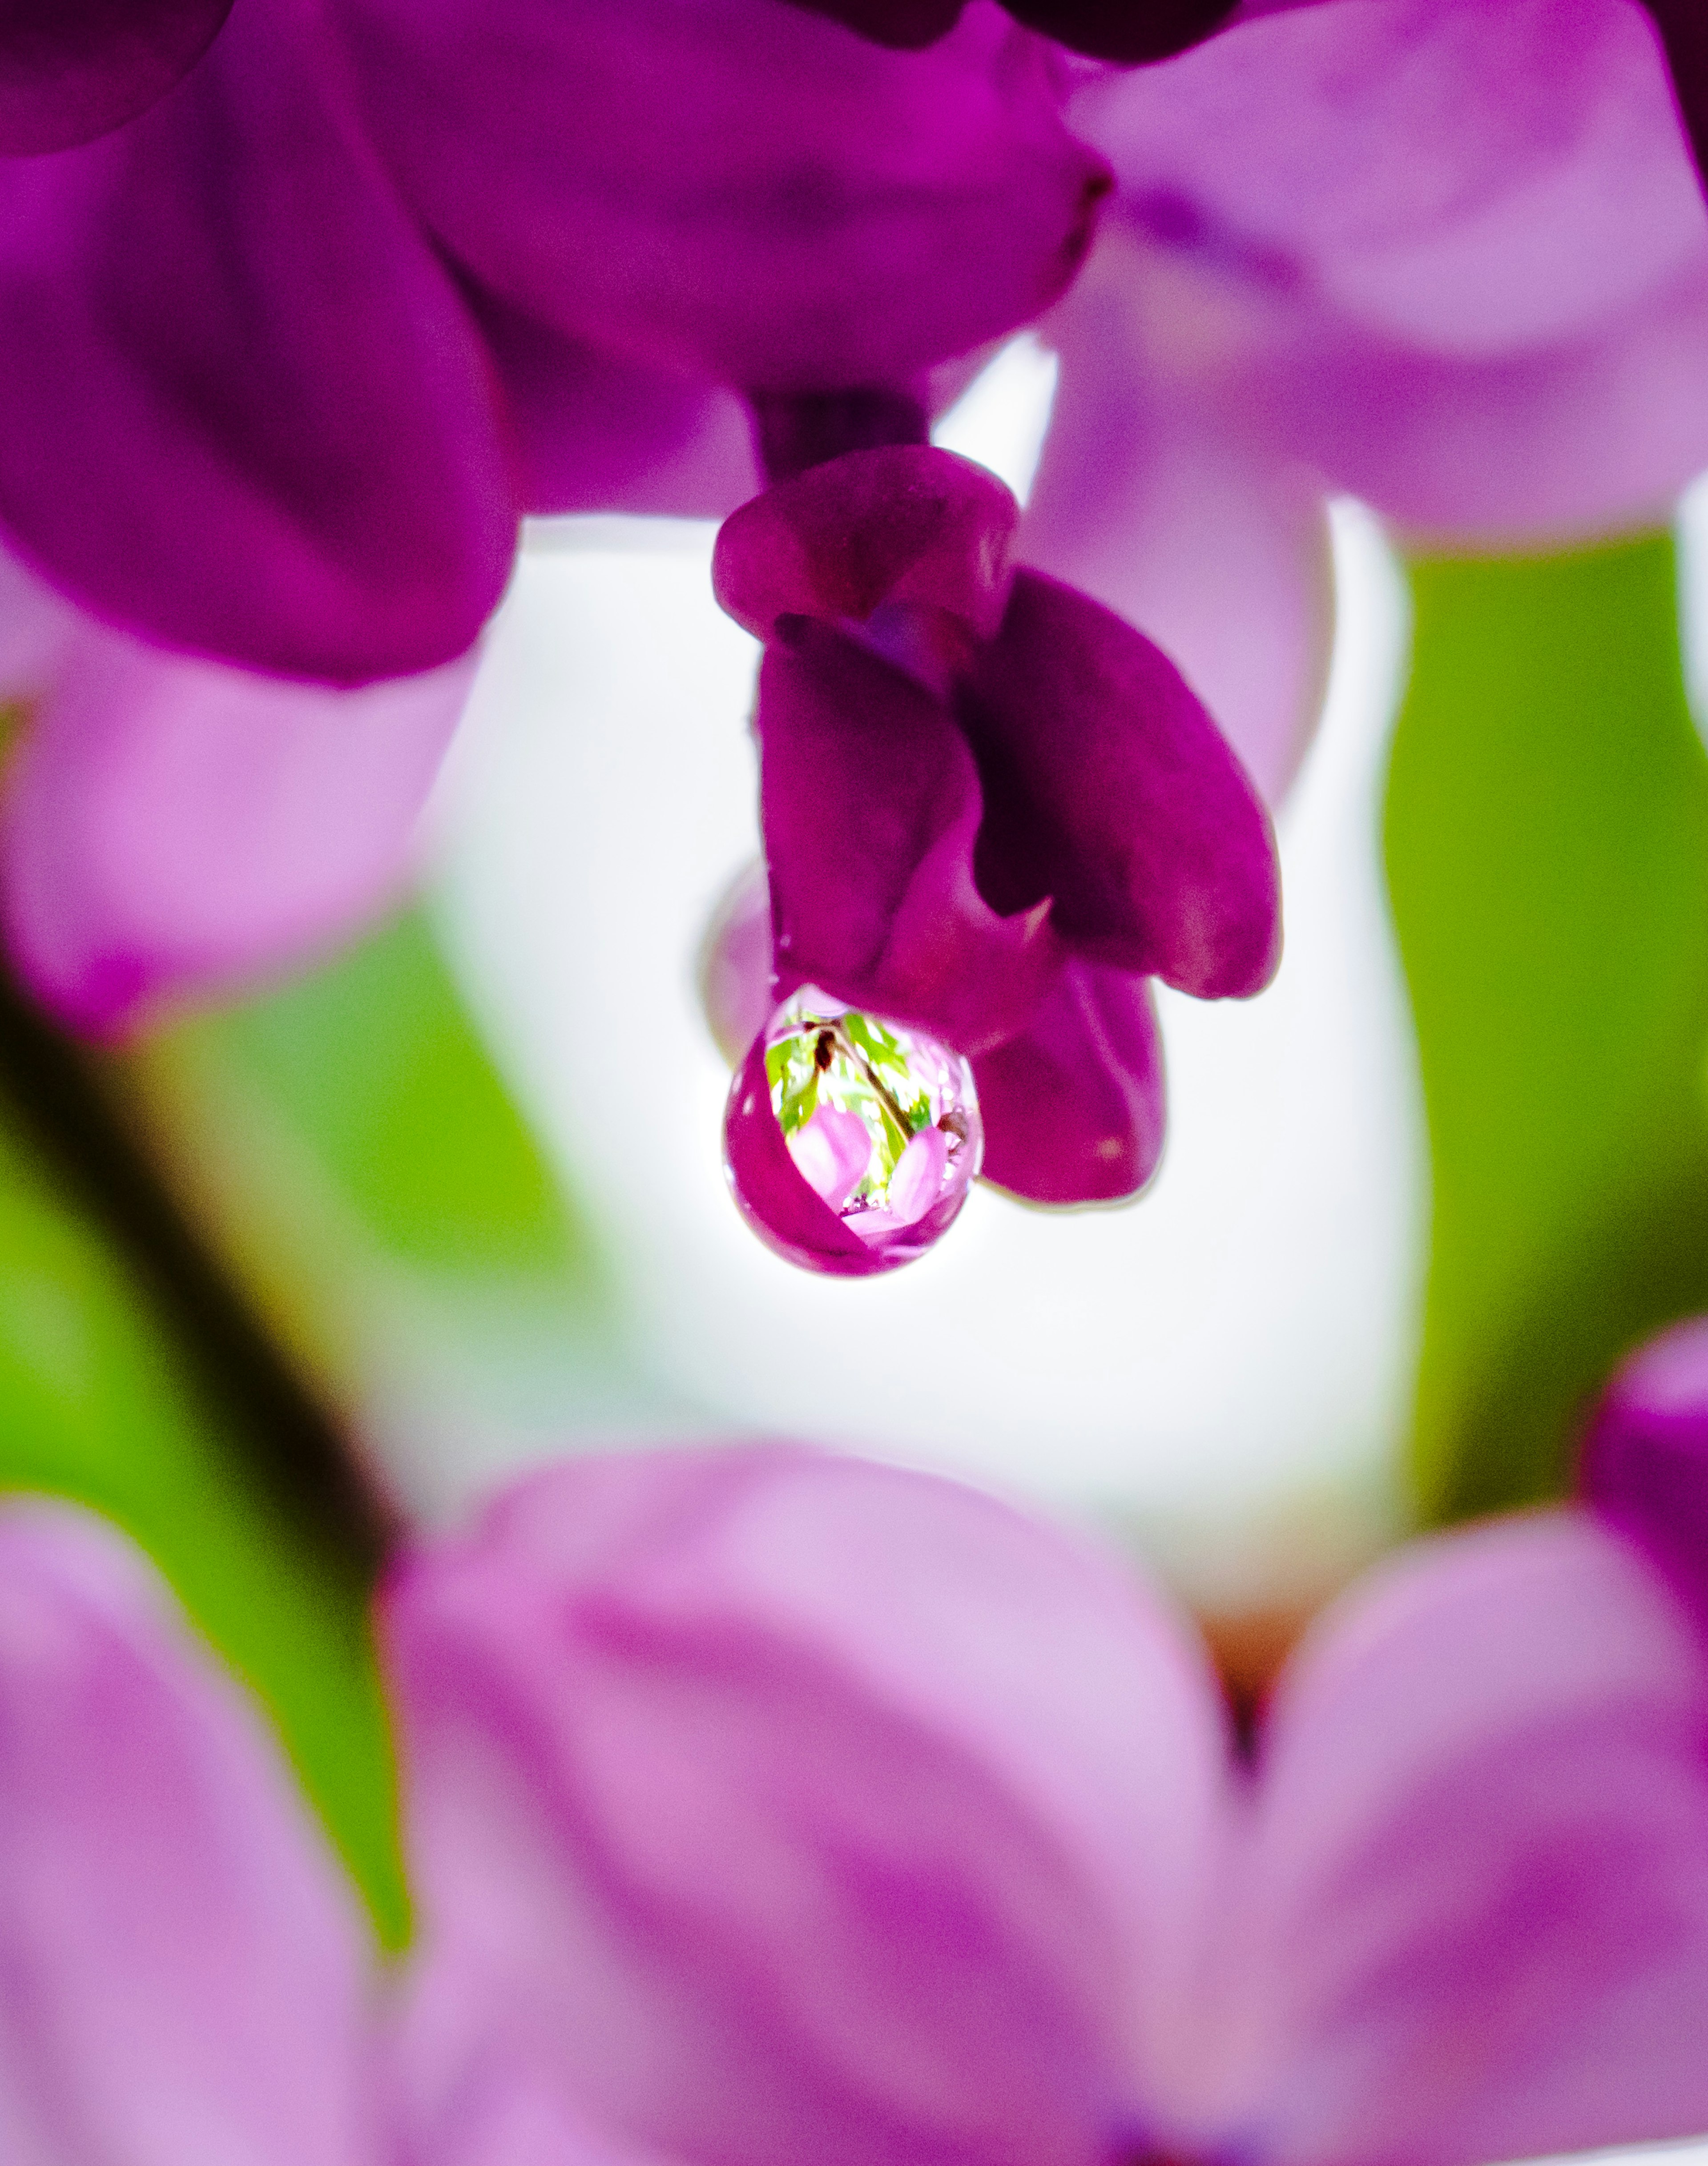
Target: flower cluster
[(761, 1803)]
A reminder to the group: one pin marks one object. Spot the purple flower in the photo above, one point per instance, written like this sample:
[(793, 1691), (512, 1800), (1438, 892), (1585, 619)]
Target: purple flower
[(1124, 30), (1451, 256), (766, 1806), (172, 826), (992, 810), (70, 70), (762, 1806), (286, 356)]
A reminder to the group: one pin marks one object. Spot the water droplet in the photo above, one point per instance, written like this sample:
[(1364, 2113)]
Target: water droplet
[(850, 1142)]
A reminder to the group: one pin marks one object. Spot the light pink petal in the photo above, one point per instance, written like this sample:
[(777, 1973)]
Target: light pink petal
[(1476, 1920), (182, 1977), (172, 827), (832, 1152), (801, 1809), (918, 1177), (1159, 495)]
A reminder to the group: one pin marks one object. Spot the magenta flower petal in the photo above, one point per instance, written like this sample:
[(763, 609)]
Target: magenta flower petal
[(1160, 495), (247, 413), (871, 805), (184, 1976), (1108, 788), (70, 70), (1684, 32), (172, 827), (588, 432), (1475, 1924), (1074, 1106), (1128, 31), (832, 1154), (902, 525), (774, 1194), (1646, 1459), (816, 213), (748, 1782)]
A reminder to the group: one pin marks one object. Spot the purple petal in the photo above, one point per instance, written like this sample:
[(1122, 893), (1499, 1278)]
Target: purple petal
[(1108, 787), (1074, 1107), (798, 1808), (918, 1180), (1684, 32), (903, 525), (181, 1976), (870, 805), (1646, 1459), (1475, 1924), (775, 1196), (737, 988), (815, 212), (832, 1153), (247, 413), (1160, 496), (906, 25), (171, 827), (1128, 31), (71, 70), (588, 432)]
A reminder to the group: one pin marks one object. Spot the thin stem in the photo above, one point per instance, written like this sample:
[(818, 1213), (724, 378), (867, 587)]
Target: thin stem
[(293, 1441)]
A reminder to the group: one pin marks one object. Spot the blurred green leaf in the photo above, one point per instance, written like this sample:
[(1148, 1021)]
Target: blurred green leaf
[(100, 1406), (1548, 856)]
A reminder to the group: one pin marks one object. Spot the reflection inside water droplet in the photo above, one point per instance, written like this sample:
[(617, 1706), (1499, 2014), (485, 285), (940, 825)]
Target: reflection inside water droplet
[(881, 1121)]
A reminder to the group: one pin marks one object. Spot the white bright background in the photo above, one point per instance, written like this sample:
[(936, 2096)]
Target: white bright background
[(1223, 1370)]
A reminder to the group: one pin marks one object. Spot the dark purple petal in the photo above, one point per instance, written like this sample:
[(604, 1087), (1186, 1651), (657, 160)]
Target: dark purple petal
[(1108, 787), (904, 525), (1074, 1106), (790, 1809), (1125, 30), (797, 429), (870, 805), (182, 1971), (775, 1198), (1684, 32), (1475, 1923), (247, 412), (1645, 1463), (589, 432), (746, 193), (904, 25), (72, 70)]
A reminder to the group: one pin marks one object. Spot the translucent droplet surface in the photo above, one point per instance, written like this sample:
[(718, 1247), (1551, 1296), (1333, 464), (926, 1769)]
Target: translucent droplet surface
[(850, 1142)]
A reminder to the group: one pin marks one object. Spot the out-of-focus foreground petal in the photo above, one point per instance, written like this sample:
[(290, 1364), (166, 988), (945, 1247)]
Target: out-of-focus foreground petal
[(181, 1975), (1684, 32), (1108, 788), (171, 827), (1476, 1920), (1074, 1106), (247, 413), (818, 213), (792, 1808), (1646, 1459), (71, 70)]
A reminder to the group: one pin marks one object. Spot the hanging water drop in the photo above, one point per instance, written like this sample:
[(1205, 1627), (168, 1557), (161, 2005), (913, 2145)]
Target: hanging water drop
[(850, 1143)]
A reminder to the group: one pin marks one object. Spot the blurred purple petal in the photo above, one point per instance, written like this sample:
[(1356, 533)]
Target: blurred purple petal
[(1074, 1106), (1646, 1459), (784, 1803), (871, 805), (173, 828), (71, 70), (1128, 31), (1475, 1920), (1159, 497), (1684, 32), (832, 1154), (749, 193), (247, 413), (736, 988), (903, 525), (182, 1972), (1108, 787)]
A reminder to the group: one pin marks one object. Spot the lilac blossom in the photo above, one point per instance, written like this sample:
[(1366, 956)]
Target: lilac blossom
[(72, 70), (991, 809), (762, 1805), (1451, 256)]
